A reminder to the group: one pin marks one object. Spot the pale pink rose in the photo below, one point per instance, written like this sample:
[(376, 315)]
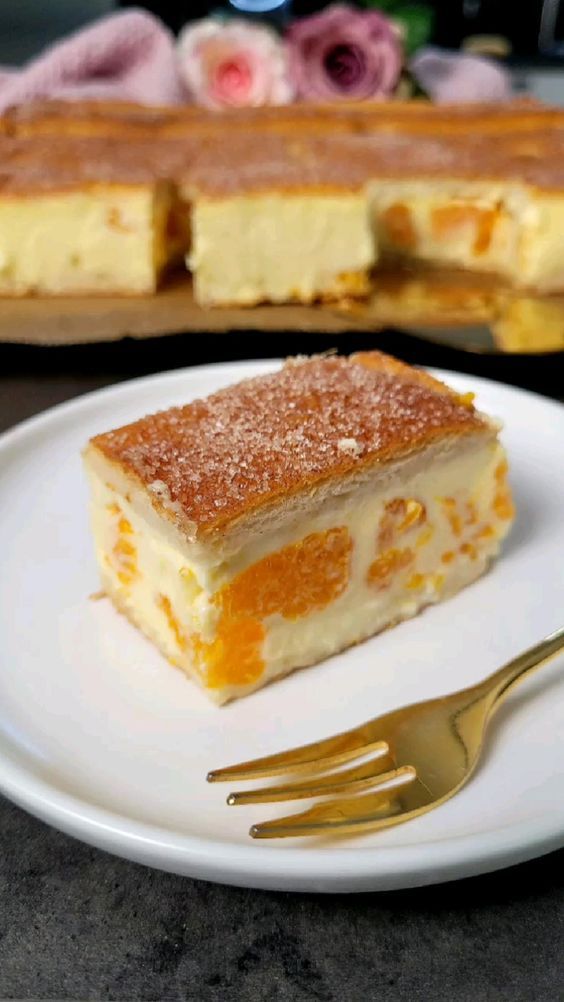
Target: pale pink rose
[(233, 64), (345, 53)]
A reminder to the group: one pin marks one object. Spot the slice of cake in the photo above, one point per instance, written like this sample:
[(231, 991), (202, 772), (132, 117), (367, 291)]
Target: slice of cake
[(289, 516), (464, 223), (272, 222), (81, 217), (282, 218), (281, 247), (494, 206)]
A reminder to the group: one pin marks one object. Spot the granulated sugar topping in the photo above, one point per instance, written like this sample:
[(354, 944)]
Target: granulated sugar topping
[(264, 439)]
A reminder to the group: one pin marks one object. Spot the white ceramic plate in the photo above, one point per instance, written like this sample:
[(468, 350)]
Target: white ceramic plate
[(102, 738)]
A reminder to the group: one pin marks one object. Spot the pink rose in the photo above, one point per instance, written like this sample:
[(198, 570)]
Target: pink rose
[(233, 64), (344, 53)]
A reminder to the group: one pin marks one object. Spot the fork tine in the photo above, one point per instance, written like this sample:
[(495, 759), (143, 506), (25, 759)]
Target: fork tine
[(317, 756), (360, 777), (347, 815)]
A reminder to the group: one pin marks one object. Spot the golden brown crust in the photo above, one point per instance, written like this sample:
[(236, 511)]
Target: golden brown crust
[(258, 162), (115, 118), (264, 440), (91, 119), (300, 148), (38, 165)]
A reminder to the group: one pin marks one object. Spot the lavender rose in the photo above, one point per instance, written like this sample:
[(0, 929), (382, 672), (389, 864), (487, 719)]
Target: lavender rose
[(344, 53)]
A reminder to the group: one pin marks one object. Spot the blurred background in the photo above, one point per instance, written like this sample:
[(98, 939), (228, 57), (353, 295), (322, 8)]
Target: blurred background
[(532, 29)]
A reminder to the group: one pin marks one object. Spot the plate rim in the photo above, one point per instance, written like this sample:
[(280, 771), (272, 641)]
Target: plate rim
[(300, 869)]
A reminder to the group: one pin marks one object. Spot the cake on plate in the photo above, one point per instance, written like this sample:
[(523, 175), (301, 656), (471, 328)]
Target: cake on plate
[(284, 518)]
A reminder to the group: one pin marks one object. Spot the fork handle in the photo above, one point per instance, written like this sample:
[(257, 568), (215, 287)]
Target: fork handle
[(514, 671)]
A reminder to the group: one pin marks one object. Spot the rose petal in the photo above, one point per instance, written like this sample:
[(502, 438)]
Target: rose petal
[(231, 81), (345, 64)]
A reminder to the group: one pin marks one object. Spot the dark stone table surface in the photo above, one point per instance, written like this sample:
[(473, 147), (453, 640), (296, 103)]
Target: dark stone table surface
[(76, 923)]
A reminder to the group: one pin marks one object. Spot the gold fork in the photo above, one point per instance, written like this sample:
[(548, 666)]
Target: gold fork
[(420, 756)]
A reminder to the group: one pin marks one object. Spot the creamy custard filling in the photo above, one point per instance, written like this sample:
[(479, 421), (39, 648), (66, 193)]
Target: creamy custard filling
[(276, 248), (103, 239), (509, 229), (473, 229), (321, 583), (541, 245)]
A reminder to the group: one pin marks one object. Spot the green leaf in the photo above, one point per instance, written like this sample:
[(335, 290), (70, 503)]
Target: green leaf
[(386, 6)]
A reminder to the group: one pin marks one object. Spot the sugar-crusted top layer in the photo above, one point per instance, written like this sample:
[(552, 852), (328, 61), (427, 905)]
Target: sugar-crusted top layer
[(264, 439), (302, 147), (271, 162), (42, 164), (119, 117)]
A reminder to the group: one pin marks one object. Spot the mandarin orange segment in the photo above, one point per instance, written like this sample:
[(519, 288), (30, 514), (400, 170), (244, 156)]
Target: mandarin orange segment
[(190, 586), (503, 505), (485, 230), (503, 502), (471, 513), (165, 605), (124, 555), (293, 582), (387, 565), (469, 550), (124, 552), (447, 220), (355, 282), (486, 532), (466, 399), (235, 656), (455, 521), (400, 515), (425, 536), (414, 515), (418, 581), (397, 223), (501, 471), (125, 549)]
